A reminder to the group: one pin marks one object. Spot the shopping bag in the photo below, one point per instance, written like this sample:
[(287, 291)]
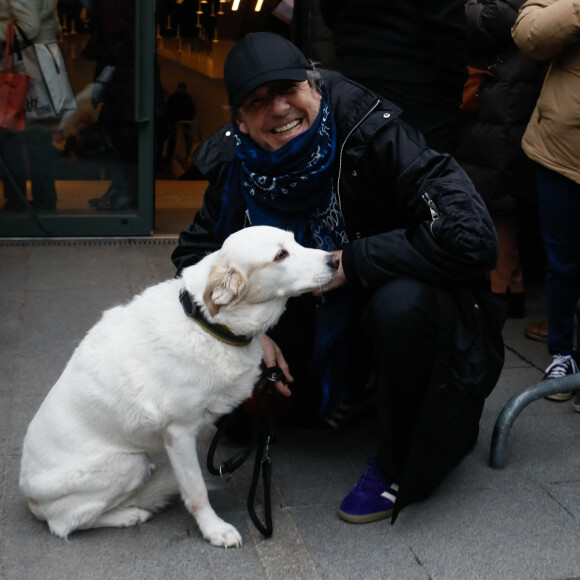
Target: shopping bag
[(13, 87), (50, 93), (55, 75)]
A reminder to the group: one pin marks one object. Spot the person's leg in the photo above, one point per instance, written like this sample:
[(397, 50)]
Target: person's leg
[(402, 324), (187, 139), (12, 152), (41, 159), (507, 274), (506, 278), (171, 141), (559, 200)]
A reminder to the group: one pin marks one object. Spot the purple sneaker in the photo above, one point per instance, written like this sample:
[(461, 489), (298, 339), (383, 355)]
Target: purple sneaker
[(371, 499)]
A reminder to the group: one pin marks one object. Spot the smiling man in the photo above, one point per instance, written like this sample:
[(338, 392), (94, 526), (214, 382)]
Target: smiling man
[(410, 313), (277, 112)]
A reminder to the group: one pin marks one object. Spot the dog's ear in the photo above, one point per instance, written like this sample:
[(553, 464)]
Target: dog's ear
[(225, 285)]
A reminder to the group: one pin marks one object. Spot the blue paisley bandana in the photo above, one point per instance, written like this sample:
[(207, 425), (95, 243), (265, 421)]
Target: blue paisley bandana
[(290, 188)]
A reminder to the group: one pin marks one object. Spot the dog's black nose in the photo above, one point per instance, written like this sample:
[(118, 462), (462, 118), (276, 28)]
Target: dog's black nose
[(333, 261)]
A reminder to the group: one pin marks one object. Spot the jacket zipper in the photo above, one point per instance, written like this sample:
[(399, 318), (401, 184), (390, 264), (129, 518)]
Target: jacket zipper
[(363, 119), (432, 210)]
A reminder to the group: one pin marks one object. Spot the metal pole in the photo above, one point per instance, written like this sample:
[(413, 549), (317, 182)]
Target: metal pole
[(516, 405)]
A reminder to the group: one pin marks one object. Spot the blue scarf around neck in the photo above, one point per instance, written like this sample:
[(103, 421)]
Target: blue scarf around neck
[(291, 188)]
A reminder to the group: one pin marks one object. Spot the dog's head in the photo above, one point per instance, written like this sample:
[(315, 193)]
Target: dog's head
[(260, 264)]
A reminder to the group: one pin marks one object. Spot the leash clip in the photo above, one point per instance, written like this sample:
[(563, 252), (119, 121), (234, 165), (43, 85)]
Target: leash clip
[(226, 476), (275, 374), (266, 453)]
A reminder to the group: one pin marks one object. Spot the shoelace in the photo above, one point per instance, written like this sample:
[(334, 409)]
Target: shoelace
[(561, 366)]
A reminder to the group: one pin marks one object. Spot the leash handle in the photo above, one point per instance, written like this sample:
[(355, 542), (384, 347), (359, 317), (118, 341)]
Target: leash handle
[(267, 528)]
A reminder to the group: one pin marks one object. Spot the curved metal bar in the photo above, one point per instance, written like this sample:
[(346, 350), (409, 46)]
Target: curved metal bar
[(516, 405)]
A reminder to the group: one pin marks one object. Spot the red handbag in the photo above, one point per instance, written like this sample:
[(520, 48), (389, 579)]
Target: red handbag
[(13, 88)]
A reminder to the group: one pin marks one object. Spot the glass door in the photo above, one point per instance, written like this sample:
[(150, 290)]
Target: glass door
[(91, 171)]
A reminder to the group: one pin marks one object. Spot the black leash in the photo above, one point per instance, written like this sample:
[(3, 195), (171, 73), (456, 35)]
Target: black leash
[(261, 440)]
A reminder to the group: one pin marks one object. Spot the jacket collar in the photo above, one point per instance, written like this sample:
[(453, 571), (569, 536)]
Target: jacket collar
[(351, 104)]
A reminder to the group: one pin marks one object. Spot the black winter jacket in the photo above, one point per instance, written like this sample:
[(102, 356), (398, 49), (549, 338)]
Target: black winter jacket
[(409, 212), (489, 142)]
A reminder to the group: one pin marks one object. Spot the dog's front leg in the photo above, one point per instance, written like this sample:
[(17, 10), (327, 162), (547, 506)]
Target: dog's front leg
[(180, 444)]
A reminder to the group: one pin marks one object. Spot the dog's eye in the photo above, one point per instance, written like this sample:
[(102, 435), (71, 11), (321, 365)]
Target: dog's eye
[(281, 255)]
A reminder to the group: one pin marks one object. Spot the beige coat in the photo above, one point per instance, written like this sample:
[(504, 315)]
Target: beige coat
[(550, 29), (37, 18)]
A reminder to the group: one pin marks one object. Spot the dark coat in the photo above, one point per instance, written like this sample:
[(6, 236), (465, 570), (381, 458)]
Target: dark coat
[(489, 147), (412, 53), (409, 212), (401, 42)]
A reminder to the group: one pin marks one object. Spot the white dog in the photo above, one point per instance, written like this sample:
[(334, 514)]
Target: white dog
[(147, 376)]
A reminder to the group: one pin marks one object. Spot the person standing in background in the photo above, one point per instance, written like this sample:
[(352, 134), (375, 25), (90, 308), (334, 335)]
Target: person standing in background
[(179, 107), (112, 46), (550, 29), (412, 53), (30, 153), (489, 146)]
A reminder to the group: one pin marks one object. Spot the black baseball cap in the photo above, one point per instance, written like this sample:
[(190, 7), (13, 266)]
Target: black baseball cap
[(258, 58)]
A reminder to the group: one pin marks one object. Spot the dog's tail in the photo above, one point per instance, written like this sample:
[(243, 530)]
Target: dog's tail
[(156, 492)]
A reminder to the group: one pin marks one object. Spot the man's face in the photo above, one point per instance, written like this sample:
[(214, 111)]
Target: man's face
[(278, 111)]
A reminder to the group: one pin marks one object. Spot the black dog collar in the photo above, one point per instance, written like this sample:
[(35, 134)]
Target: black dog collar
[(218, 331)]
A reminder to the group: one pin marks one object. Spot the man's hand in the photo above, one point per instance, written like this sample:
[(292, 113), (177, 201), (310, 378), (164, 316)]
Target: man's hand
[(273, 357), (339, 279)]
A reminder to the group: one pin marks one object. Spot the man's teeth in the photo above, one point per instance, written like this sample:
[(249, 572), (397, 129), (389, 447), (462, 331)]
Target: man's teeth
[(287, 127)]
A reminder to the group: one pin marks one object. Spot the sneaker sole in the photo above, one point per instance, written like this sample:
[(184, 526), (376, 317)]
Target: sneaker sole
[(559, 397), (364, 519), (576, 406)]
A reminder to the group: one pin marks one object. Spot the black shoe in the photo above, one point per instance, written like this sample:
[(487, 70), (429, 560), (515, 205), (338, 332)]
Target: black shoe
[(561, 366), (94, 201), (114, 203), (14, 206)]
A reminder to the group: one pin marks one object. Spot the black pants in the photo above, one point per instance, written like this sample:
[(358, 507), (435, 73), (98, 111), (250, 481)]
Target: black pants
[(395, 332), (402, 323)]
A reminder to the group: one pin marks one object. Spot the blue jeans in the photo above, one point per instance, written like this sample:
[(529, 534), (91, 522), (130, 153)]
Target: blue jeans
[(559, 201)]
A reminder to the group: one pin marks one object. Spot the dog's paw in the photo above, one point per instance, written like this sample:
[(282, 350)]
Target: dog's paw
[(124, 517), (137, 516), (223, 535)]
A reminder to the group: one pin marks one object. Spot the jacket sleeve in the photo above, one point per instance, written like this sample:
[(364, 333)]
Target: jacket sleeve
[(446, 234), (212, 159), (545, 27), (198, 239)]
